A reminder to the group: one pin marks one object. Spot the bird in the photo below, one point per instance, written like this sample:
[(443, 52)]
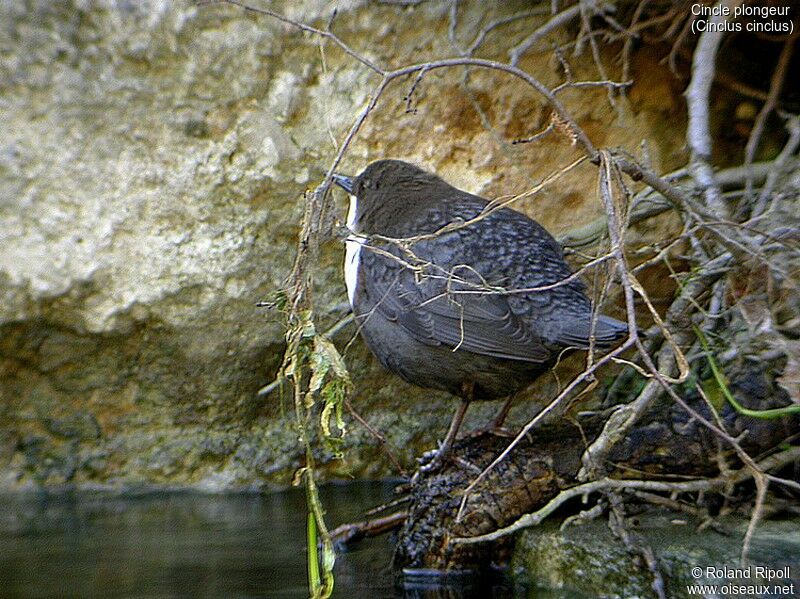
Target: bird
[(454, 292)]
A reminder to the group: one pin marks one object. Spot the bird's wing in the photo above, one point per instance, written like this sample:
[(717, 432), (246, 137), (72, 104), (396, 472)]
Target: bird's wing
[(576, 332), (453, 308)]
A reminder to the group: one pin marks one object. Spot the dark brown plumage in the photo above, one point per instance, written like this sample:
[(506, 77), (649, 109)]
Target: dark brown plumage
[(443, 285)]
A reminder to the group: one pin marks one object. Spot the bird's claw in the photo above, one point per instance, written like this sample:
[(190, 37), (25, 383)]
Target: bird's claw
[(431, 461)]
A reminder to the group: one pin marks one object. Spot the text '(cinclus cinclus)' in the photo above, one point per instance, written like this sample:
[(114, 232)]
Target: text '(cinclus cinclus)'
[(446, 286)]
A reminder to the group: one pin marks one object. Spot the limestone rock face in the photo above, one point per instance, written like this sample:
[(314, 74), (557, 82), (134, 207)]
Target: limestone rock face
[(152, 167)]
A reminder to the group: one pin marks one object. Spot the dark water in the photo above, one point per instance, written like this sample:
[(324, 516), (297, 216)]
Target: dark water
[(190, 545)]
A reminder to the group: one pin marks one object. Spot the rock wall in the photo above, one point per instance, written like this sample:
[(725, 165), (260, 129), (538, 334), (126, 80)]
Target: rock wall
[(152, 167)]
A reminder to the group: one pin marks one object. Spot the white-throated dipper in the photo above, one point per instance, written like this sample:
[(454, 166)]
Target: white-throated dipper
[(443, 286)]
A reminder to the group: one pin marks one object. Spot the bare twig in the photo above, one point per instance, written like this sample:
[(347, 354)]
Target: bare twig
[(307, 28), (698, 133), (635, 544), (775, 89), (352, 533), (780, 165), (378, 436), (609, 85), (555, 22), (601, 69), (678, 43), (543, 133), (673, 504), (481, 37), (762, 486), (451, 29), (604, 484), (650, 202), (669, 364), (541, 416), (625, 416)]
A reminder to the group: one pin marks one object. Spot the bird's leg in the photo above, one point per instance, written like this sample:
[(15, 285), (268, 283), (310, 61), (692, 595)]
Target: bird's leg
[(468, 390), (496, 427), (503, 413), (455, 424)]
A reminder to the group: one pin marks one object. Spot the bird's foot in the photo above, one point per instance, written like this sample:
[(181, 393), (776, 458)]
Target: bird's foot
[(433, 460)]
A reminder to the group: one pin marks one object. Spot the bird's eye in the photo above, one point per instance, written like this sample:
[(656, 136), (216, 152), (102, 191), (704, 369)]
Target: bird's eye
[(367, 183)]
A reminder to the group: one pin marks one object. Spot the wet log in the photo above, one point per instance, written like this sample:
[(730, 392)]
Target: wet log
[(669, 444)]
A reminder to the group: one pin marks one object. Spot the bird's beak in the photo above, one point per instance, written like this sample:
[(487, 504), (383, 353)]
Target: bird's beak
[(345, 182)]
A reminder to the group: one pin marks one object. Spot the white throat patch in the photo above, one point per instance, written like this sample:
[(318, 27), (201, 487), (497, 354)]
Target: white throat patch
[(352, 254), (351, 213)]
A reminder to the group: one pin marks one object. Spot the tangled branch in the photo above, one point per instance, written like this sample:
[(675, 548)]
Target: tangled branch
[(717, 236)]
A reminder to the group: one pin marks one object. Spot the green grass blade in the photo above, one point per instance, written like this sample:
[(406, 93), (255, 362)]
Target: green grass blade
[(719, 378), (314, 581)]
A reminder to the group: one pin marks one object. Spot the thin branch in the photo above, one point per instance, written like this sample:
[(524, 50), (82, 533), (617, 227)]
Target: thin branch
[(780, 166), (541, 416), (555, 22), (543, 133), (762, 486), (634, 542), (601, 69), (775, 89), (378, 436), (349, 534), (307, 28), (481, 37), (453, 25), (678, 43), (579, 135), (625, 416), (609, 85), (698, 133)]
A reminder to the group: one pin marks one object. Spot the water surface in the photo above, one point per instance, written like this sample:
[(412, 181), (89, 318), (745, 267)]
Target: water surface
[(193, 545), (181, 545)]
